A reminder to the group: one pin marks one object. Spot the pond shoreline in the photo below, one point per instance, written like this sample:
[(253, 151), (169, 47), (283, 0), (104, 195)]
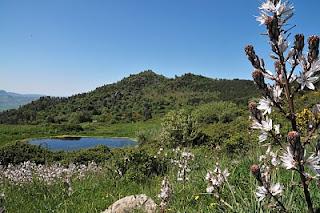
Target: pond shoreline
[(73, 143)]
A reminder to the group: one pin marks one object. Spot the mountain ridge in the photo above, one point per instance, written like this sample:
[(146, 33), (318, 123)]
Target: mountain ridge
[(11, 100), (136, 97)]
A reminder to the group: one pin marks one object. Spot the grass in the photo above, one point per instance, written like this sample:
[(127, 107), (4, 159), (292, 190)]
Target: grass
[(96, 192), (12, 133)]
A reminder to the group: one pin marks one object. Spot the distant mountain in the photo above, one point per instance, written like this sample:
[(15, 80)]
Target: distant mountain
[(134, 98), (10, 100)]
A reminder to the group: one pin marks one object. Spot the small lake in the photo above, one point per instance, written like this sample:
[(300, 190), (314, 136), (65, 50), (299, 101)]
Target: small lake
[(73, 144)]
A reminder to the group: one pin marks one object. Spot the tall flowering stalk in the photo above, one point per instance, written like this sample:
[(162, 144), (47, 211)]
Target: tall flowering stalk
[(165, 194), (279, 94), (183, 164)]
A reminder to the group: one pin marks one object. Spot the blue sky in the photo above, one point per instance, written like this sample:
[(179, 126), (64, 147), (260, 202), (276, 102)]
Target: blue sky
[(63, 47)]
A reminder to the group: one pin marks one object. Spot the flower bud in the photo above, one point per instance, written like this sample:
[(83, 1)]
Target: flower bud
[(299, 43), (253, 58), (278, 67), (258, 78), (313, 54), (255, 170), (295, 144), (293, 136), (273, 29), (252, 106), (255, 112)]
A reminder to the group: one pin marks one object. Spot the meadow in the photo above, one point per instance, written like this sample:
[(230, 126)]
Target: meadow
[(205, 154)]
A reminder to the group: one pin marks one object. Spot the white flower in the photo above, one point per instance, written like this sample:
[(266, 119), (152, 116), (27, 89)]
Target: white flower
[(165, 191), (282, 43), (315, 66), (307, 79), (263, 136), (263, 18), (287, 159), (313, 163), (216, 178), (268, 6), (285, 10), (270, 156), (277, 91), (265, 125), (277, 129), (265, 105), (210, 189), (275, 190), (261, 193)]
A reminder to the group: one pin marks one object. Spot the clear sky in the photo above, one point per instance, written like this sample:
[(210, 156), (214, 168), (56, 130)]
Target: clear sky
[(63, 47)]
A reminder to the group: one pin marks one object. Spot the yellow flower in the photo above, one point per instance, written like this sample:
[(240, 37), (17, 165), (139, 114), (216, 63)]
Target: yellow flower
[(196, 197)]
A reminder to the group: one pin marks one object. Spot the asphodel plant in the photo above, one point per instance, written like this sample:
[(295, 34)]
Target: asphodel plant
[(296, 71)]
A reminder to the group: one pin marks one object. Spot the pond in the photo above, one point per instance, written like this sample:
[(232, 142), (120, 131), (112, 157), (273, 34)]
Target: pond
[(76, 143)]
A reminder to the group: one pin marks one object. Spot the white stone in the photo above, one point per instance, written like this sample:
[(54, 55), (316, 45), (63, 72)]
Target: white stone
[(133, 202)]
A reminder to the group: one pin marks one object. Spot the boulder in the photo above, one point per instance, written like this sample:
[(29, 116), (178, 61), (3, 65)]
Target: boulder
[(133, 202)]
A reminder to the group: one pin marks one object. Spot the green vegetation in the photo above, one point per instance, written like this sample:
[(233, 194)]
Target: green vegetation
[(135, 98), (214, 130)]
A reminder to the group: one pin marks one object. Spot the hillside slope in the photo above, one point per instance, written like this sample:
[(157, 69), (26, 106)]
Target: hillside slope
[(10, 100), (137, 97)]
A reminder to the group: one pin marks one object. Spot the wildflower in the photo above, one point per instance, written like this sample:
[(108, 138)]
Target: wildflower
[(216, 178), (261, 193), (68, 186), (265, 106), (183, 165), (277, 129), (307, 79), (282, 44), (165, 193), (276, 92), (271, 157), (315, 66), (313, 163), (265, 126), (269, 6), (288, 160), (263, 19), (274, 190)]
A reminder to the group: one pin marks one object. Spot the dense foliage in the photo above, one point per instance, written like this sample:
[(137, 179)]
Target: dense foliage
[(135, 98)]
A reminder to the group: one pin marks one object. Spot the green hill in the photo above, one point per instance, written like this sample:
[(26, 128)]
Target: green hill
[(134, 98)]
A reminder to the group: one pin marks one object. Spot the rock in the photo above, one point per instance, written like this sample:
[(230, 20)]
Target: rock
[(134, 202)]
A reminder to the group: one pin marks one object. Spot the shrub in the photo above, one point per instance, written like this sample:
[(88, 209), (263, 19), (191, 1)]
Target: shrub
[(98, 154), (139, 166), (21, 152), (224, 112), (180, 128)]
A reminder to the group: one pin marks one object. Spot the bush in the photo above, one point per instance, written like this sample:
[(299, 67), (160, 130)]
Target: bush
[(224, 112), (21, 152), (98, 154), (180, 128), (138, 166)]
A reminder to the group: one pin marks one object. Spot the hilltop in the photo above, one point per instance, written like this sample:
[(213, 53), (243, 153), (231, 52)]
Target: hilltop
[(134, 98)]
